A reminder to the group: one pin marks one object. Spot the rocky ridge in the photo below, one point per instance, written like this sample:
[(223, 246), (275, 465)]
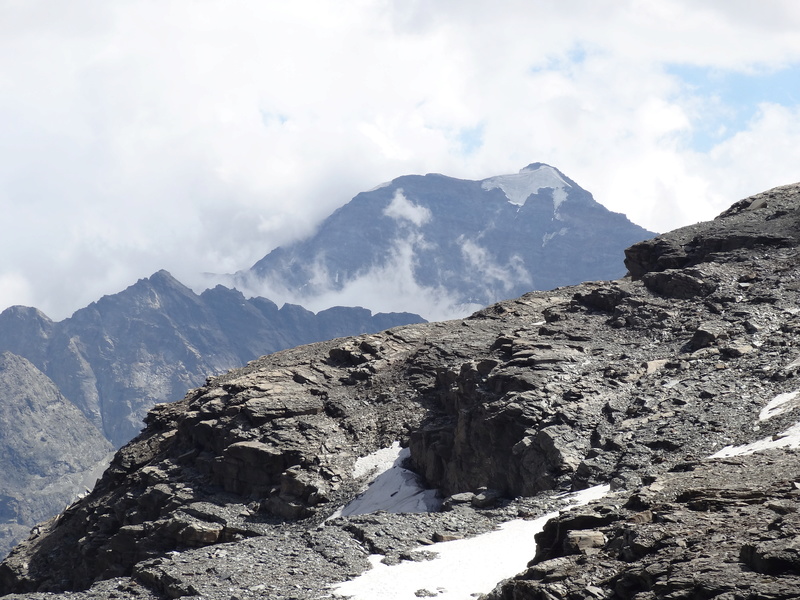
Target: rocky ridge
[(119, 356), (113, 360), (635, 382)]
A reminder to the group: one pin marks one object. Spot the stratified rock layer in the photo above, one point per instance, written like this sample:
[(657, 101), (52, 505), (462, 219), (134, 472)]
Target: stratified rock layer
[(116, 358), (634, 382)]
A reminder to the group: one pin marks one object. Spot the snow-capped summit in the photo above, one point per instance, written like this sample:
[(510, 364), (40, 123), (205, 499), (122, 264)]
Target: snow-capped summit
[(444, 247), (520, 186)]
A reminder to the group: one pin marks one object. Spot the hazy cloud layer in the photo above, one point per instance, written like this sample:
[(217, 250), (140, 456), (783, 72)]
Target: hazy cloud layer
[(401, 208), (387, 288), (496, 275), (197, 135)]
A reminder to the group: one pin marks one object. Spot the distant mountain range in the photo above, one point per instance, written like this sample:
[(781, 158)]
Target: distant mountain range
[(434, 242), (72, 390), (150, 343), (453, 245)]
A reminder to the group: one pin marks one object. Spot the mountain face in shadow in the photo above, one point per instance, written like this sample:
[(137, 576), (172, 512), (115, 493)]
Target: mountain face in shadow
[(464, 243)]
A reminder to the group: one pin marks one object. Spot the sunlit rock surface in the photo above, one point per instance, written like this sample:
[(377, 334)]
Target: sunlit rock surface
[(634, 383)]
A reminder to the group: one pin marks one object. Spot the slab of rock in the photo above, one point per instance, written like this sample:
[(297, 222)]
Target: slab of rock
[(709, 534)]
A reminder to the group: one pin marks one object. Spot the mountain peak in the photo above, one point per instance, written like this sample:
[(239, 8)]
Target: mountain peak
[(25, 313), (518, 187), (535, 166), (446, 246), (164, 279)]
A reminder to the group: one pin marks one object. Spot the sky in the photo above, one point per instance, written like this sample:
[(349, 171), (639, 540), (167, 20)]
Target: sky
[(198, 135)]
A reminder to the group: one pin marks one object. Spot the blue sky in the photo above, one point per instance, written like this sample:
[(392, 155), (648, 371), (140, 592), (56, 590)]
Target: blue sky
[(731, 99), (197, 135)]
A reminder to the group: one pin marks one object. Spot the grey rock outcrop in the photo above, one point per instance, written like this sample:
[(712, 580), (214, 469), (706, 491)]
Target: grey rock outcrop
[(716, 529), (761, 221), (635, 382), (470, 242), (48, 449)]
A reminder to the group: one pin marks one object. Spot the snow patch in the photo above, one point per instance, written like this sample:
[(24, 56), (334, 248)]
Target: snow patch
[(393, 488), (376, 463), (778, 405), (517, 187), (793, 365), (790, 438), (786, 439), (463, 568), (402, 208)]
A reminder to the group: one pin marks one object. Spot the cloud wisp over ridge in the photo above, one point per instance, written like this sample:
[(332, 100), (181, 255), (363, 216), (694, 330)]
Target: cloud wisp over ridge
[(198, 136)]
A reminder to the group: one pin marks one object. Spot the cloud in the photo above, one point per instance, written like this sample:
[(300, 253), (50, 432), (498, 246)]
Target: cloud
[(388, 288), (199, 135), (14, 289), (775, 125), (401, 208), (508, 276)]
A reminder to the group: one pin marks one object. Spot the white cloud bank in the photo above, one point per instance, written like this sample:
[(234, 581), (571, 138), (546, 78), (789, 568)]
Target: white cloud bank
[(198, 135), (387, 288), (401, 208)]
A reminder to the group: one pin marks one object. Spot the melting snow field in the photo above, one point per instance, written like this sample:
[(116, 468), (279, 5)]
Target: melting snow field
[(464, 568), (779, 404), (393, 489), (786, 439)]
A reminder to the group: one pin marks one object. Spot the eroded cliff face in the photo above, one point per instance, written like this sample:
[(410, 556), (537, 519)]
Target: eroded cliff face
[(48, 449), (634, 382)]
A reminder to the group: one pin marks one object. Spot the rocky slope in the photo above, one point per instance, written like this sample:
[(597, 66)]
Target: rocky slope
[(463, 243), (635, 382), (116, 358), (126, 352), (55, 453)]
